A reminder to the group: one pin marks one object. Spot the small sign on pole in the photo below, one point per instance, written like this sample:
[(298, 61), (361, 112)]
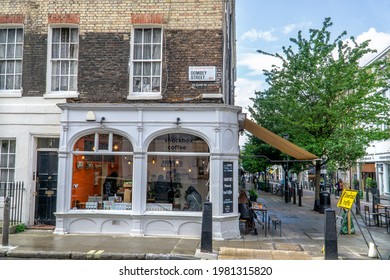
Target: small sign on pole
[(347, 198)]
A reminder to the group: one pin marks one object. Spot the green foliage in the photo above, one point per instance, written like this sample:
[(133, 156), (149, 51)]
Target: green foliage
[(20, 228), (323, 99), (371, 183), (253, 192)]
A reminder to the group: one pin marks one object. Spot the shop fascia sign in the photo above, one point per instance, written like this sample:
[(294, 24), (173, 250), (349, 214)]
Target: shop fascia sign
[(201, 73)]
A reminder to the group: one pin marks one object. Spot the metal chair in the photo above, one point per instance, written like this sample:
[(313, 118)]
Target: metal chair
[(368, 215)]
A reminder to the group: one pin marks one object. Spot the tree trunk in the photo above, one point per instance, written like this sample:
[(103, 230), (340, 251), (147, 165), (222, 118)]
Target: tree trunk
[(317, 186)]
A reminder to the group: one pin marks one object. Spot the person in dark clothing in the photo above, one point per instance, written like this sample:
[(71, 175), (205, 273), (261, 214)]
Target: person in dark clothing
[(110, 186), (194, 201)]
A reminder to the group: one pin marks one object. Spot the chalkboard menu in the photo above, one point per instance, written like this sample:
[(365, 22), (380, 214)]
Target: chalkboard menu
[(227, 181)]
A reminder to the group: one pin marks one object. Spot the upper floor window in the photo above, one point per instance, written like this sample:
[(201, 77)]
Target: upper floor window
[(63, 59), (11, 55), (146, 60)]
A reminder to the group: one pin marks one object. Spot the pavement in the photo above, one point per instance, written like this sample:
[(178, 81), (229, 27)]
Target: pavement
[(302, 238)]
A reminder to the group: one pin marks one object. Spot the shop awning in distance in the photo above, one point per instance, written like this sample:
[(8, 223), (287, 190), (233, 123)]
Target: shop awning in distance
[(277, 142)]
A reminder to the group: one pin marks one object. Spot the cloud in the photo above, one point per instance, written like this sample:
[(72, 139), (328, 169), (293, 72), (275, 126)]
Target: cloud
[(253, 35), (244, 90), (379, 42), (257, 62), (289, 28)]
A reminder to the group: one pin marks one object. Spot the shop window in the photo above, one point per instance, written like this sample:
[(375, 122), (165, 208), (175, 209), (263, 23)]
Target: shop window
[(102, 177), (178, 173)]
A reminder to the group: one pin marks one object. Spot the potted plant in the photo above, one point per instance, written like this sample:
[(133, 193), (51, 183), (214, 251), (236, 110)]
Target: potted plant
[(371, 184), (253, 195)]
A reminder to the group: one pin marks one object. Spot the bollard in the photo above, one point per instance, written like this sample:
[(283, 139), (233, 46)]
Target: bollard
[(294, 196), (330, 245), (6, 221), (300, 196), (206, 242)]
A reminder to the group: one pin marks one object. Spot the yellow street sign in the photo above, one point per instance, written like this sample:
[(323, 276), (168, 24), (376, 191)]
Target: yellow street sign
[(347, 198)]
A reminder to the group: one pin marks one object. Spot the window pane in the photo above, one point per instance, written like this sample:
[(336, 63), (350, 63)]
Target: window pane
[(74, 49), (138, 36), (19, 51), (2, 67), (147, 35), (9, 82), (64, 35), (73, 83), (85, 143), (146, 86), (18, 82), (64, 50), (55, 83), (147, 68), (3, 36), (4, 146), (156, 35), (2, 82), (74, 35), (11, 161), (4, 160), (147, 52), (156, 68), (121, 144), (2, 50), (19, 35), (138, 52), (55, 51), (137, 84), (10, 67), (18, 67), (11, 51), (156, 85), (55, 69), (137, 68), (56, 35), (177, 183), (64, 83), (11, 36), (73, 67), (103, 141), (156, 52), (64, 68)]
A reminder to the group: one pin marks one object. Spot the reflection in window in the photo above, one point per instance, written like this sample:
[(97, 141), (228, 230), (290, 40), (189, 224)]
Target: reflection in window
[(177, 181)]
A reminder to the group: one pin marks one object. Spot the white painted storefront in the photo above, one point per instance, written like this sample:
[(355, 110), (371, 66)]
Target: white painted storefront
[(188, 139)]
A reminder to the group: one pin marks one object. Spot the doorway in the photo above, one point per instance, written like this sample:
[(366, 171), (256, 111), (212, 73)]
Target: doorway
[(46, 185)]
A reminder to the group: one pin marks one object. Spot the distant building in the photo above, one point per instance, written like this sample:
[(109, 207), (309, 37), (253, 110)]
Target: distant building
[(376, 163)]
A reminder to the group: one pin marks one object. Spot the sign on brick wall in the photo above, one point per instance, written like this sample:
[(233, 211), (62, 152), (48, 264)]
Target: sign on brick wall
[(201, 73)]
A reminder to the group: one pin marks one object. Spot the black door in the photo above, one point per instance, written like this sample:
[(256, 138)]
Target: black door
[(46, 187)]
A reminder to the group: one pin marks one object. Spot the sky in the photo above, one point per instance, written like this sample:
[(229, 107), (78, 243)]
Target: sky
[(269, 25)]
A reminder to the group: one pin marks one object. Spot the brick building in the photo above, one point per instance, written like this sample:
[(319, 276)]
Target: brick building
[(111, 110)]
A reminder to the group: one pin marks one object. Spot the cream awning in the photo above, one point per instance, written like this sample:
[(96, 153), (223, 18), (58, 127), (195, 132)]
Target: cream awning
[(277, 142)]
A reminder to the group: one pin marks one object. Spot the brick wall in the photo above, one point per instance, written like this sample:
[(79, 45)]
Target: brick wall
[(193, 33)]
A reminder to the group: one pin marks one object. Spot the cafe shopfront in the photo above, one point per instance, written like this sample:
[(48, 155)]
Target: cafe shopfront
[(147, 169)]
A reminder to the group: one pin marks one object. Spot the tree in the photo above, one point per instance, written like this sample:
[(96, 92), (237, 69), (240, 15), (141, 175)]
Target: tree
[(323, 99)]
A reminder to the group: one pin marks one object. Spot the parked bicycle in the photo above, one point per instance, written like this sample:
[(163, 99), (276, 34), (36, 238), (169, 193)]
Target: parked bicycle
[(278, 190)]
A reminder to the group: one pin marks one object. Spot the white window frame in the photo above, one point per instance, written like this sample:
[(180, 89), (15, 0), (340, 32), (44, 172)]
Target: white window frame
[(145, 95), (13, 92), (8, 168), (49, 92)]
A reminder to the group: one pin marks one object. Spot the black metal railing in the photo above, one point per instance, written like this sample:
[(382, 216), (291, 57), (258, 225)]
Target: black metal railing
[(13, 190)]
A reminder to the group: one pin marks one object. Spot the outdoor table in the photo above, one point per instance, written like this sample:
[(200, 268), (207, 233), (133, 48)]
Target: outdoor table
[(259, 210)]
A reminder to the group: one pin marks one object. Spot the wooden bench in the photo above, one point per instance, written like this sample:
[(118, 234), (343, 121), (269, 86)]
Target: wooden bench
[(275, 221)]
